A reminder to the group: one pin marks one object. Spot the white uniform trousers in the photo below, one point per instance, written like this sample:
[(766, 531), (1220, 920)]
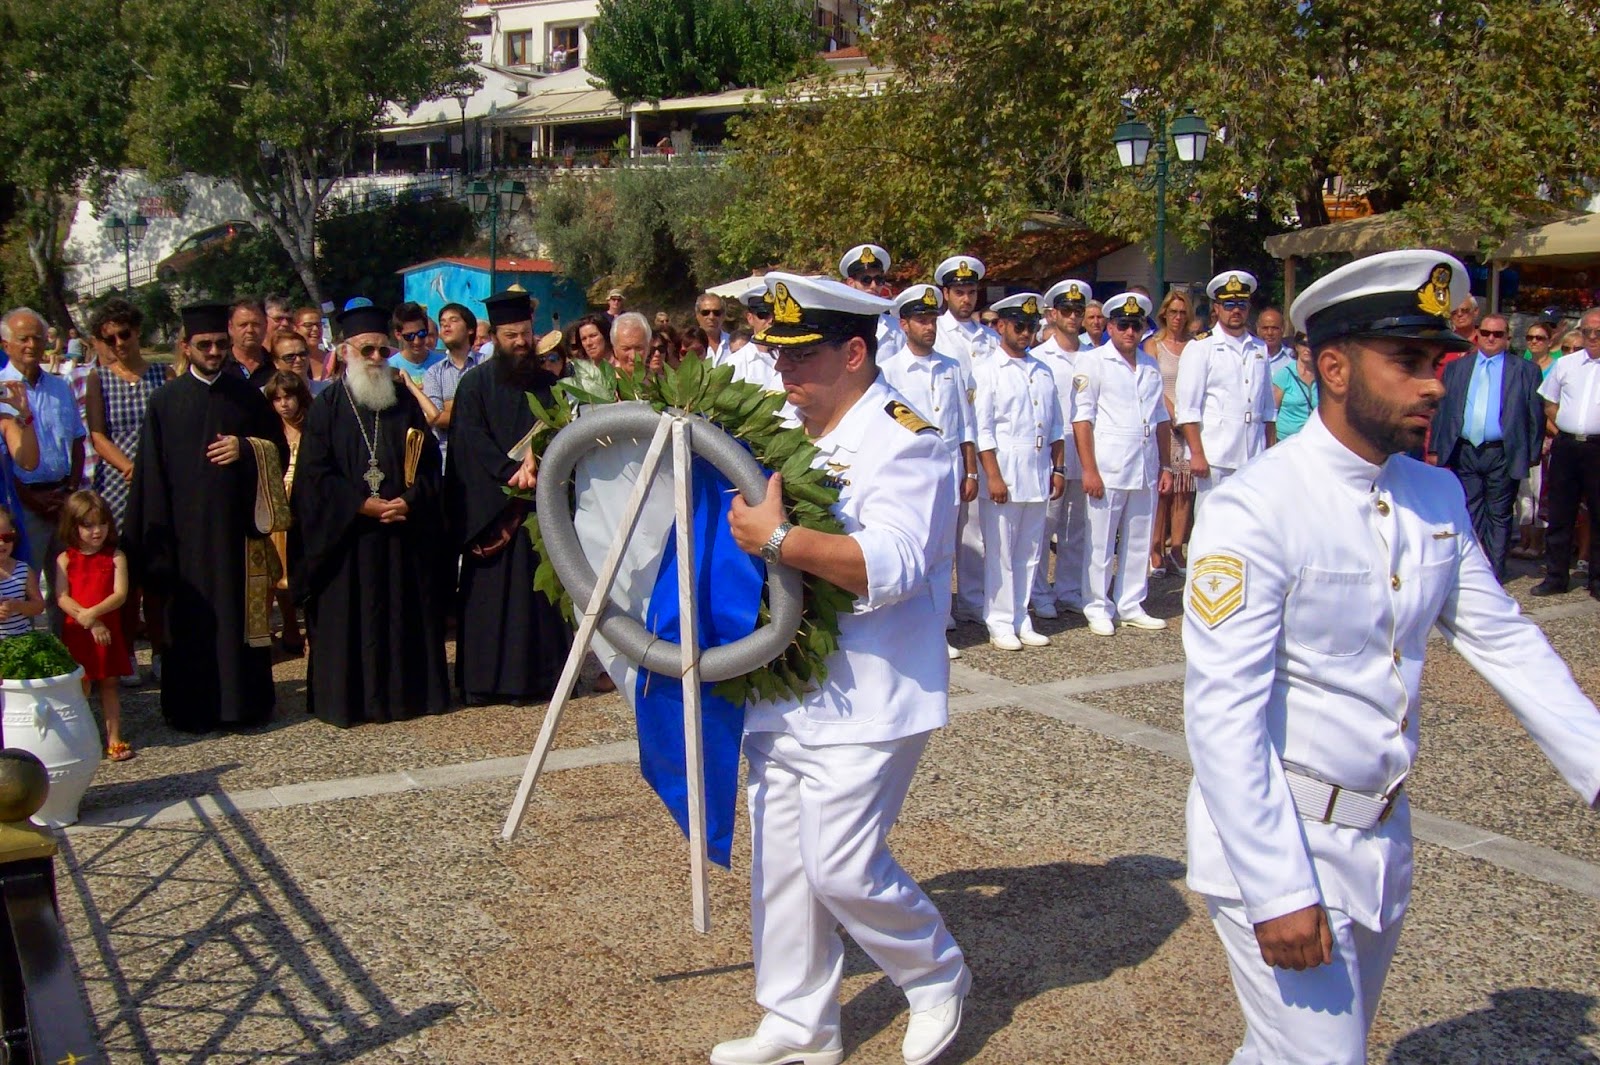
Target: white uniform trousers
[(1066, 519), (969, 560), (820, 820), (1204, 485), (1011, 535), (1319, 1016), (1120, 525)]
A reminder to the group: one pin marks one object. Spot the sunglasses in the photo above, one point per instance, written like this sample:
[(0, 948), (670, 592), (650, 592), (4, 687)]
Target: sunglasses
[(1538, 338), (1569, 351), (8, 538), (1493, 334), (1234, 305), (206, 347), (870, 279), (1589, 334), (551, 360), (301, 354), (120, 336), (367, 351), (709, 312), (1127, 323), (413, 337)]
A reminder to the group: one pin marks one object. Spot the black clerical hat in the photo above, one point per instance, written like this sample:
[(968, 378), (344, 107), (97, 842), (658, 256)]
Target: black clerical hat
[(200, 318), (353, 321), (509, 308)]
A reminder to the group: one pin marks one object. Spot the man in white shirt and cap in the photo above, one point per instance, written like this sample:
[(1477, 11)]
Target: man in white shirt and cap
[(936, 388), (826, 781), (754, 362), (1120, 425), (1225, 407), (1318, 573), (1022, 455), (865, 268), (961, 335), (1066, 519)]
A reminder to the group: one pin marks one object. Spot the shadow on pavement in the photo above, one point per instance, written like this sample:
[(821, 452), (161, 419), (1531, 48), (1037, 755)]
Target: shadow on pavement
[(1028, 931), (1524, 1024), (201, 945)]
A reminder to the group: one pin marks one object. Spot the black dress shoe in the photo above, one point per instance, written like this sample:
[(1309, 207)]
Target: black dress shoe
[(1594, 590), (1550, 586)]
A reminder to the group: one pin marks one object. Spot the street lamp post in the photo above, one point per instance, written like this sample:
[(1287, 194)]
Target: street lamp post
[(128, 232), (491, 197), (1190, 136), (466, 153)]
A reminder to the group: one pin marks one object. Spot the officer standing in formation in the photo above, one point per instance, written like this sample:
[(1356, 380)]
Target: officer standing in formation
[(937, 389), (865, 268), (826, 782), (1021, 452), (1317, 574), (1225, 408), (753, 362), (1067, 518), (1120, 426)]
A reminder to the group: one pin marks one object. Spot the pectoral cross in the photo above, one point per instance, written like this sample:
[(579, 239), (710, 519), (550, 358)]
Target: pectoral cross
[(373, 476)]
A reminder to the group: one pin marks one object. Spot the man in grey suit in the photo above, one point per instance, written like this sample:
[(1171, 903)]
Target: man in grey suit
[(1488, 430)]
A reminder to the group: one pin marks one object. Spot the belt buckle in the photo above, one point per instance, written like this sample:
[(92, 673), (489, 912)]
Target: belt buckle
[(1249, 416), (1389, 802), (1582, 438)]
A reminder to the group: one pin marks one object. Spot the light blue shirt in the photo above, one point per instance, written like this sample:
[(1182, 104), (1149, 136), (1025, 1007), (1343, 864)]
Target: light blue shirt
[(56, 424), (1482, 423), (440, 383), (416, 370)]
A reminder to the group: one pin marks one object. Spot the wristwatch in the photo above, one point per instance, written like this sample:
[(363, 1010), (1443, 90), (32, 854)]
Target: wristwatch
[(972, 477), (774, 544), (1062, 470)]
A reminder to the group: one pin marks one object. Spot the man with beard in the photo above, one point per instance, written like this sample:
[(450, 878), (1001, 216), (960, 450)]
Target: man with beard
[(1066, 518), (368, 519), (207, 491), (1318, 573), (510, 641)]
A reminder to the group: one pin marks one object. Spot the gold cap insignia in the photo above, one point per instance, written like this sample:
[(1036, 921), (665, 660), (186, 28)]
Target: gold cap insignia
[(965, 272), (1074, 293), (1216, 588), (1030, 307), (929, 298), (785, 310), (1434, 295), (867, 258), (1131, 308), (1233, 287)]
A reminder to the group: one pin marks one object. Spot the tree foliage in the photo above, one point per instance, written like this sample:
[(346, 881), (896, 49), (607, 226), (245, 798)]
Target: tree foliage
[(277, 96), (655, 49), (1452, 111), (63, 93), (650, 230)]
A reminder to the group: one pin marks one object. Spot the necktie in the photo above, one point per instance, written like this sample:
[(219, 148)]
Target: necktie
[(1478, 404)]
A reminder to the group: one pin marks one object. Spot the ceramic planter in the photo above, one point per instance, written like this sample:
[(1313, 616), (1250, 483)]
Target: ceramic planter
[(50, 718)]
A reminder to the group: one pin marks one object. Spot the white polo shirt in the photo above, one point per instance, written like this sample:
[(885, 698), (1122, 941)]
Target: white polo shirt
[(1574, 386)]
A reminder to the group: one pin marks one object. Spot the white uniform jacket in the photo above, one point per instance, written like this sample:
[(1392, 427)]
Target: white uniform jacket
[(1063, 368), (1314, 579), (1223, 384), (891, 338), (938, 390), (1124, 403), (967, 342), (1018, 417), (890, 676), (753, 364)]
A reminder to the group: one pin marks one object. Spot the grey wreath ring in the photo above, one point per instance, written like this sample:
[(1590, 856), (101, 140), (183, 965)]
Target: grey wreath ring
[(566, 555)]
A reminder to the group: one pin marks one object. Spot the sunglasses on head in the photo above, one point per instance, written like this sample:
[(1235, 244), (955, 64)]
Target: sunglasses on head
[(413, 336)]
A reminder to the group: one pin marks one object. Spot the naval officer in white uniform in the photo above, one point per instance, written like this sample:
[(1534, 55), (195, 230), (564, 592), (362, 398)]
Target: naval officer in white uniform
[(1067, 518), (1225, 408), (865, 267), (829, 772), (936, 389), (1317, 574)]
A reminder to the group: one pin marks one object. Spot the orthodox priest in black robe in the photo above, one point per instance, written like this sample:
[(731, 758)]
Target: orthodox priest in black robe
[(207, 491), (510, 641), (368, 530)]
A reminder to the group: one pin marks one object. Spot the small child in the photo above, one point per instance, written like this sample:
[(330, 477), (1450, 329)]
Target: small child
[(94, 576), (19, 585)]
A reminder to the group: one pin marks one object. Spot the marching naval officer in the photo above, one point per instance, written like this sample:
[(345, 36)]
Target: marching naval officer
[(1119, 424), (936, 388), (1225, 408), (829, 772), (1317, 574), (1067, 518), (865, 267)]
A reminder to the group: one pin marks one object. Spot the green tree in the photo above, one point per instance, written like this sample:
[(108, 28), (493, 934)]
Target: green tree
[(63, 93), (1451, 111), (276, 97), (655, 49)]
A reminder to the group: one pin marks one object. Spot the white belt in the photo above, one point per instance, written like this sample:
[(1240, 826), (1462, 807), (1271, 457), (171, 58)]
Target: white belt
[(1317, 800)]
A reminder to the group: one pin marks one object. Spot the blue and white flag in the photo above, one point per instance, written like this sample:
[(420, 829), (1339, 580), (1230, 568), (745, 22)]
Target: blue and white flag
[(728, 588)]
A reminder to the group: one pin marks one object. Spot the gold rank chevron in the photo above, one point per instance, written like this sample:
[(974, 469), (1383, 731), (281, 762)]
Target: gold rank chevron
[(1216, 588)]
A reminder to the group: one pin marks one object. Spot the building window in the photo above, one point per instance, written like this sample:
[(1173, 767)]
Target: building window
[(563, 48), (519, 43)]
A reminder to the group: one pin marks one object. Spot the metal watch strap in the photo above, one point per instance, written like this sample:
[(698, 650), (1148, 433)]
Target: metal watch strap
[(770, 549)]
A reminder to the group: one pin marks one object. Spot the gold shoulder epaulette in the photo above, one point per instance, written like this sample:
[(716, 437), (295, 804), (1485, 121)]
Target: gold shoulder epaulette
[(909, 418)]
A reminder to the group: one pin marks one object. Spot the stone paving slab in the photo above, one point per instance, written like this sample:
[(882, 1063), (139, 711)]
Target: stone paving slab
[(395, 928)]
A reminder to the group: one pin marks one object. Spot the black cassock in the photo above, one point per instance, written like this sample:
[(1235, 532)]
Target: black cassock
[(376, 626), (510, 641), (187, 522)]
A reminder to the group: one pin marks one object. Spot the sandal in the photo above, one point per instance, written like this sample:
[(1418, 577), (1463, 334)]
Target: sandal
[(118, 752)]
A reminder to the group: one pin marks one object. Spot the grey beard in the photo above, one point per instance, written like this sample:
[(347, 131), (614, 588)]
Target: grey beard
[(371, 387)]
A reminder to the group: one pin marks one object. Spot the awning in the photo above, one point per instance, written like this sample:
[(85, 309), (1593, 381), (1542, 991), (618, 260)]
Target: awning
[(1573, 240), (1366, 236)]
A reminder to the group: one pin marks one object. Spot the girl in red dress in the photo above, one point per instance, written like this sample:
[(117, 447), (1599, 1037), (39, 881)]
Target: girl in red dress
[(94, 576)]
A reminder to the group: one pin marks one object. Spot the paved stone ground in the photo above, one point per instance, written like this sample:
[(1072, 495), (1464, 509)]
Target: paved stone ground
[(305, 894)]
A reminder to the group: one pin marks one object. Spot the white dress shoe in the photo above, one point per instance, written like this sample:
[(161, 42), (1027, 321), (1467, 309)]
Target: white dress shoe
[(1044, 609), (1102, 627), (1029, 638), (952, 651), (1143, 621), (929, 1032), (1005, 642), (754, 1050)]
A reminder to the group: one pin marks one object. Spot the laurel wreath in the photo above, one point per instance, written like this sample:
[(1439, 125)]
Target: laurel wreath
[(750, 414)]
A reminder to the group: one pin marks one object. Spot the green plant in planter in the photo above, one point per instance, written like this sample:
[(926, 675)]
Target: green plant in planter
[(34, 656)]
